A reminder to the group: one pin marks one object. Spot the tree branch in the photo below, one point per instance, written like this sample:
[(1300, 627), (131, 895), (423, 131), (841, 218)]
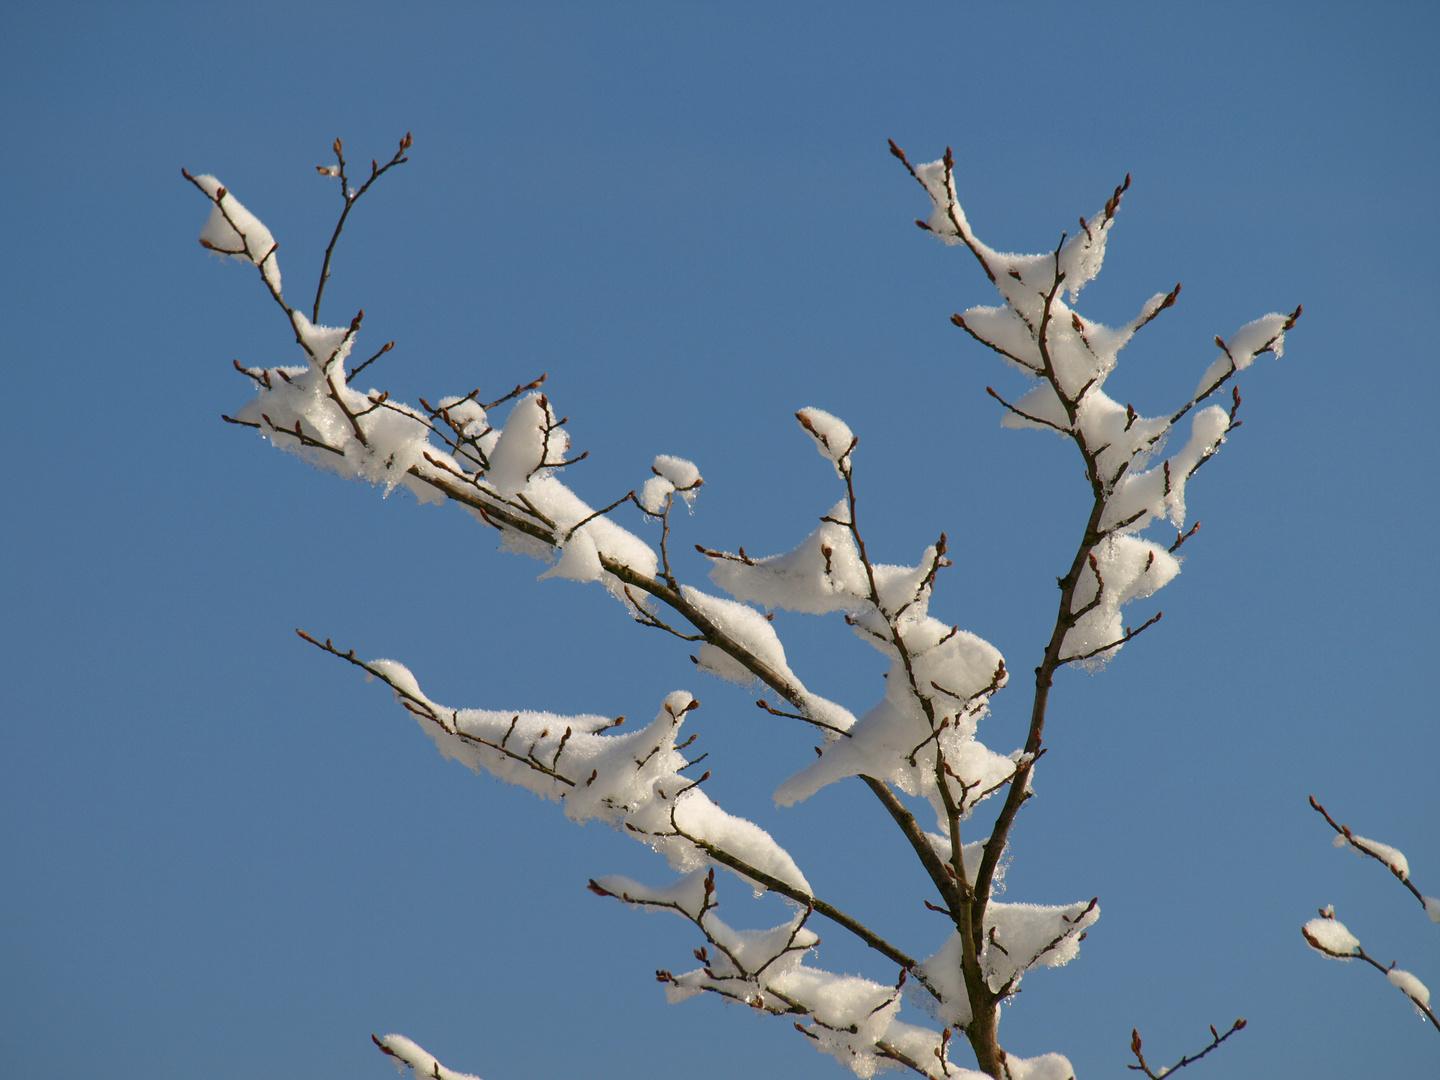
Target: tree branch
[(1215, 1040)]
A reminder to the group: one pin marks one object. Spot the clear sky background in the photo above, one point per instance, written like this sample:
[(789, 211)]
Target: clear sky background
[(224, 855)]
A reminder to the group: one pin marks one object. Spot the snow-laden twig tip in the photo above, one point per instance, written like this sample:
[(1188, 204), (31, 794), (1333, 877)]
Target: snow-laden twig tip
[(405, 1052)]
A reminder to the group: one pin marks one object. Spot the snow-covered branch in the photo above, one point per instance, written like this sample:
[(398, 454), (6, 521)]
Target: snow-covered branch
[(1137, 1045), (918, 744), (422, 1063), (1329, 936)]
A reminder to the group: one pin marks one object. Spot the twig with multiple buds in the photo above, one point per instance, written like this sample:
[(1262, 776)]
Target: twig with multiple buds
[(1189, 1059), (351, 197), (1330, 937)]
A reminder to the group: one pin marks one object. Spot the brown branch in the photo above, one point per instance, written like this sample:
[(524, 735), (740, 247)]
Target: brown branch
[(383, 350), (376, 171), (959, 321), (763, 704), (1359, 845), (1360, 954), (1180, 537), (834, 914), (628, 497), (1215, 1040), (1129, 633), (1290, 321), (646, 618), (1026, 416)]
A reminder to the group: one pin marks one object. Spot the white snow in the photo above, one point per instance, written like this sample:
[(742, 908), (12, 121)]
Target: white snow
[(746, 627), (525, 445), (579, 559), (1330, 936), (1391, 857), (405, 1052), (1018, 938), (671, 474), (681, 473), (1409, 985), (1044, 1067), (942, 193), (629, 780), (833, 438), (1005, 329), (1131, 568), (695, 815), (824, 574), (654, 494), (687, 893), (1266, 332), (234, 231)]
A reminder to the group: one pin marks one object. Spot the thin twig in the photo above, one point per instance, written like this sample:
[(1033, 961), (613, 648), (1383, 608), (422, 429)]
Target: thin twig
[(1359, 845), (376, 171), (1215, 1040)]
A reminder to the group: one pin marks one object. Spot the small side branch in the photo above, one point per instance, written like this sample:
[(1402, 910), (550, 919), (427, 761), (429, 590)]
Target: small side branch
[(1290, 321), (1169, 301), (647, 618), (383, 350), (834, 914), (1361, 845), (1215, 1040), (351, 198), (763, 704), (1129, 633), (960, 231), (959, 320), (1053, 943), (425, 710), (1027, 416), (628, 497)]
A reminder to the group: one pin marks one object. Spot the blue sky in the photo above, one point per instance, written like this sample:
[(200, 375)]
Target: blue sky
[(226, 855)]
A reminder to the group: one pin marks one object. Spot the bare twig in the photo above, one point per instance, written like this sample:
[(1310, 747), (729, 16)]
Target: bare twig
[(1215, 1040), (351, 198)]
